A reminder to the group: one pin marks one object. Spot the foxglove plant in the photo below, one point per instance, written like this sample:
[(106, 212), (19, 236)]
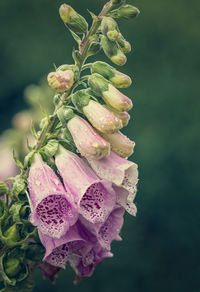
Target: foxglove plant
[(67, 205)]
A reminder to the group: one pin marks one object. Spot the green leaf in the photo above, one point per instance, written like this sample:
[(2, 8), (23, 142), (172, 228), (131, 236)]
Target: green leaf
[(29, 158), (19, 164)]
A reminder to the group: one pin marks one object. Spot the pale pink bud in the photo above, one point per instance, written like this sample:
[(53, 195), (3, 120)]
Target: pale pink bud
[(120, 144), (116, 99), (61, 80), (101, 118), (88, 142)]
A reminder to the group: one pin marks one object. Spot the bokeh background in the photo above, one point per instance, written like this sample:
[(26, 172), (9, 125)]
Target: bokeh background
[(160, 250)]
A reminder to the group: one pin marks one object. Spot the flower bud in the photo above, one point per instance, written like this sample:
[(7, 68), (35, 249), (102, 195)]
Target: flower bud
[(125, 11), (120, 144), (117, 78), (101, 118), (110, 29), (113, 51), (14, 234), (3, 188), (117, 2), (61, 80), (123, 116), (12, 267), (73, 68), (87, 141), (113, 97), (125, 46), (72, 19)]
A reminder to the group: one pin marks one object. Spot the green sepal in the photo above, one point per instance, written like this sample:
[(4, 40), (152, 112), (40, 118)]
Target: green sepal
[(64, 114), (3, 188), (29, 158), (19, 185), (3, 210), (34, 251), (17, 161), (19, 211), (103, 69), (75, 36), (50, 148), (13, 267), (94, 48), (80, 99), (98, 84)]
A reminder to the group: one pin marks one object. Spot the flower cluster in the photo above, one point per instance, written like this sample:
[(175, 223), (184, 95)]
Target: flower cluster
[(67, 205), (80, 212)]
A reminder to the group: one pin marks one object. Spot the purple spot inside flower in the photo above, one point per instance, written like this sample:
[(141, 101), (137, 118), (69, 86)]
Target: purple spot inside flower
[(53, 212)]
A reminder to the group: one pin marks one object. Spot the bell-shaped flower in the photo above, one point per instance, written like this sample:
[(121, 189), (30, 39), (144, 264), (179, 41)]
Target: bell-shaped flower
[(88, 142), (59, 250), (122, 173), (120, 144), (109, 230), (95, 198), (84, 266), (113, 51), (53, 208)]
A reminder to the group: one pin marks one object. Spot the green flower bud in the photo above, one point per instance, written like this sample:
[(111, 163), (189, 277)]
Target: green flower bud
[(125, 11), (14, 234), (110, 29), (117, 78), (64, 114), (61, 80), (80, 99), (72, 19), (125, 46), (113, 52), (98, 84), (12, 267), (3, 188)]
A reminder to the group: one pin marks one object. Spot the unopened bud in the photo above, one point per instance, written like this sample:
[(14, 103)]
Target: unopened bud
[(101, 118), (123, 116), (113, 51), (125, 11), (117, 78), (12, 267), (113, 97), (72, 19), (3, 188), (73, 68), (88, 142), (61, 80), (110, 29), (14, 234), (120, 144), (125, 46)]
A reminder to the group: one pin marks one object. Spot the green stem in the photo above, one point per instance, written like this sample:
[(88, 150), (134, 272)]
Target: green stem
[(83, 49)]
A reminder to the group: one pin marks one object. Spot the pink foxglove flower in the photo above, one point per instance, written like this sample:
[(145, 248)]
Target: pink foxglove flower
[(122, 173), (61, 80), (49, 272), (101, 118), (53, 209), (95, 198), (109, 230), (120, 144), (59, 250), (88, 142), (84, 266)]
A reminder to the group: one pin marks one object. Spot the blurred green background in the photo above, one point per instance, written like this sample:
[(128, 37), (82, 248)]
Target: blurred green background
[(160, 250)]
